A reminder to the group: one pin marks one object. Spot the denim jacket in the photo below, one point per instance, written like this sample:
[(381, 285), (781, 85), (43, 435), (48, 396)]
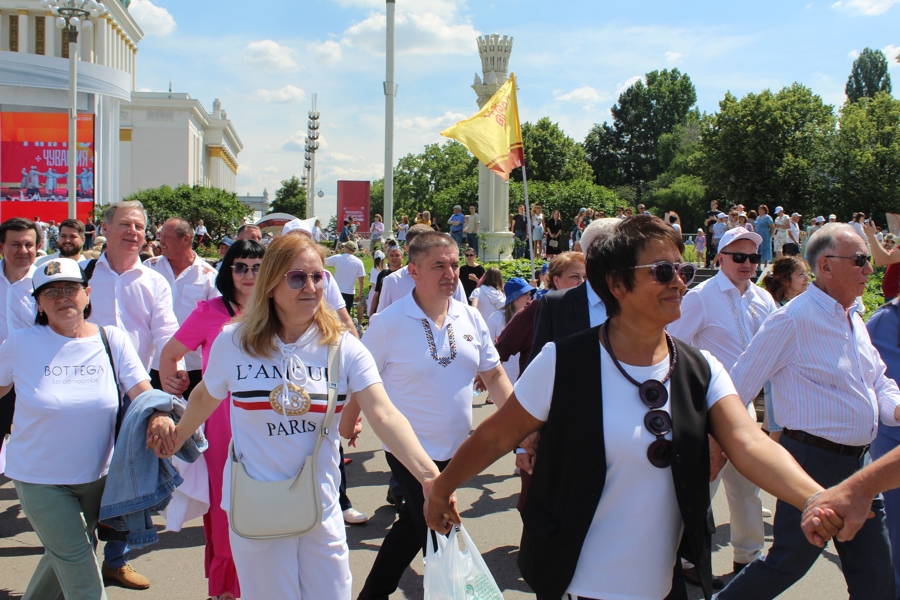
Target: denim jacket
[(138, 482)]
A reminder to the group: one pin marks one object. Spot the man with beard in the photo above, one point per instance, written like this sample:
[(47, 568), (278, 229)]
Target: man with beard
[(69, 244)]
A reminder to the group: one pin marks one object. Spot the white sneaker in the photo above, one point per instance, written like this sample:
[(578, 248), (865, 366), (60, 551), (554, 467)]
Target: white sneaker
[(766, 512), (354, 517)]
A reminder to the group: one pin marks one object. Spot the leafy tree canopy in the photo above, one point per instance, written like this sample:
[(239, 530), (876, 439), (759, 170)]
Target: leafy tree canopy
[(550, 155), (222, 211), (290, 198), (868, 76)]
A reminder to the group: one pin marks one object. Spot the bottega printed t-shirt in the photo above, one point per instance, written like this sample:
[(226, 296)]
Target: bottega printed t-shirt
[(637, 524), (66, 402), (272, 444)]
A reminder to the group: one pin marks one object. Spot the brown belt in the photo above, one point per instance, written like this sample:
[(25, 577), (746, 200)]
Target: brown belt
[(819, 442)]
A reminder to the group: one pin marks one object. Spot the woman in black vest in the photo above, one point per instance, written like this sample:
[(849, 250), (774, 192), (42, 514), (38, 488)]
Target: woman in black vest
[(620, 487)]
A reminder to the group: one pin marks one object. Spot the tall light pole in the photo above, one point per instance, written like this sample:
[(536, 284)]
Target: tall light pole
[(69, 15), (312, 144), (390, 92)]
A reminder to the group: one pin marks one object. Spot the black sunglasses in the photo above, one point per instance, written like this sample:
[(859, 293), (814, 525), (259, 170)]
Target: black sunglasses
[(741, 257), (297, 280), (240, 269), (664, 271), (859, 260)]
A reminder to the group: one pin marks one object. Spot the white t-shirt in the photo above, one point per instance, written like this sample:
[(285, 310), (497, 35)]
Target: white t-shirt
[(273, 446), (489, 300), (347, 269), (617, 555), (66, 402), (430, 380), (496, 322)]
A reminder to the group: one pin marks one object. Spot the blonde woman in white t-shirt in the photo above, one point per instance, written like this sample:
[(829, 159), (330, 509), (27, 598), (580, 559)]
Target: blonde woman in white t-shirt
[(281, 344), (65, 383)]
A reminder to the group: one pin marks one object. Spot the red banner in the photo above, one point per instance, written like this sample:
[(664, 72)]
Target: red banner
[(353, 201)]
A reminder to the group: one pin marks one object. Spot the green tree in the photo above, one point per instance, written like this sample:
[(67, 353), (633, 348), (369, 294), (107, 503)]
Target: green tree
[(772, 148), (550, 155), (418, 177), (627, 152), (867, 156), (221, 211), (868, 76), (565, 196), (680, 187), (290, 198)]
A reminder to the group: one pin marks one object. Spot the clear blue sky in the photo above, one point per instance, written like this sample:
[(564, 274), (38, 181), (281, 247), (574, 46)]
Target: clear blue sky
[(572, 58)]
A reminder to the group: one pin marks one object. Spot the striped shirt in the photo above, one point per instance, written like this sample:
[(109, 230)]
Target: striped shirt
[(827, 378)]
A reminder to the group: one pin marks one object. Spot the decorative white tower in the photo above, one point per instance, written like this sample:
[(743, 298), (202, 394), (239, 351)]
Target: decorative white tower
[(493, 192)]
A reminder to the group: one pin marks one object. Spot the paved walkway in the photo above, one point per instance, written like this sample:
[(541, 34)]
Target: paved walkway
[(175, 565)]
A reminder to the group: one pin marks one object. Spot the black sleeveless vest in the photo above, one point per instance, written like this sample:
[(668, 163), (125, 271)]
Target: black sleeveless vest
[(570, 470)]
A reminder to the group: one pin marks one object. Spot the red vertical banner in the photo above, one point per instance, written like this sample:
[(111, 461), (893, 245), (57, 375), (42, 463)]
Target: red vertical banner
[(353, 201)]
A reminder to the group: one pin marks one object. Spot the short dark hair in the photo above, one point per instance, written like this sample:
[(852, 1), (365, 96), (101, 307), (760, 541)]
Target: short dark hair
[(73, 224), (19, 224), (615, 255), (415, 230), (41, 318), (239, 249)]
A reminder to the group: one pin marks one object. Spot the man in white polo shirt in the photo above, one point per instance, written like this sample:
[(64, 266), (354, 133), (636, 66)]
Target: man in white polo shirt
[(191, 280), (428, 348), (721, 315), (348, 272)]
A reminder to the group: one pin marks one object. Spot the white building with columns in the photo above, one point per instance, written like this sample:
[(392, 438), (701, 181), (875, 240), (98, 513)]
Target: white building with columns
[(168, 138), (34, 74)]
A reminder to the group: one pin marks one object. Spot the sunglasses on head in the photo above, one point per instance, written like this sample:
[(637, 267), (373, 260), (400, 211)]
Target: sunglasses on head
[(859, 259), (664, 271), (297, 280), (240, 269), (741, 257)]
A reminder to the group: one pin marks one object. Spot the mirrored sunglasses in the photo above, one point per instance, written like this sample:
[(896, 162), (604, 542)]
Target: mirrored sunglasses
[(664, 271), (240, 269)]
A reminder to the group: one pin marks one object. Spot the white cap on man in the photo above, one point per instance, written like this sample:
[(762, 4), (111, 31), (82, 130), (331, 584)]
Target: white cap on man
[(832, 218), (739, 233)]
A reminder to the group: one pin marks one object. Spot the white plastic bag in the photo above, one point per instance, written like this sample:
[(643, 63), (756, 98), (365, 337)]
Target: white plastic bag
[(452, 573)]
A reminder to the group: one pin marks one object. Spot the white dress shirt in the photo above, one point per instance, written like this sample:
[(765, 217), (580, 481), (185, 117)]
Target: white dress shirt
[(596, 308), (139, 301), (827, 378), (17, 306), (196, 283), (715, 316), (400, 283)]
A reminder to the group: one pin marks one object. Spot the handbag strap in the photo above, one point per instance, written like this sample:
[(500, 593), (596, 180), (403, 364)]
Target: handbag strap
[(112, 363), (334, 374)]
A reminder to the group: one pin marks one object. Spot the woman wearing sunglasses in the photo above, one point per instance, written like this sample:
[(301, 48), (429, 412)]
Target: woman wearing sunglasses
[(622, 476), (271, 366), (235, 281)]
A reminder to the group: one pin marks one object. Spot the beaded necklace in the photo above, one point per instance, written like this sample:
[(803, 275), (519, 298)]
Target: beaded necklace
[(444, 361)]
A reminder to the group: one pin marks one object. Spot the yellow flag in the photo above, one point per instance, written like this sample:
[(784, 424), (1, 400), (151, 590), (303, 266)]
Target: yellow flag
[(493, 135)]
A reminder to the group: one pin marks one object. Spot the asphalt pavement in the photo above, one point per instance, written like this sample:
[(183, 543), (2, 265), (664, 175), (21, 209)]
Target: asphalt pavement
[(175, 565)]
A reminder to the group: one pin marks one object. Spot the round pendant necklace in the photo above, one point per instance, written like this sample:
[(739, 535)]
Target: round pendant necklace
[(653, 392)]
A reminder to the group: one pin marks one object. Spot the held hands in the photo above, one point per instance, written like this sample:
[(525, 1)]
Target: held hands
[(177, 384), (440, 509), (836, 512), (162, 437)]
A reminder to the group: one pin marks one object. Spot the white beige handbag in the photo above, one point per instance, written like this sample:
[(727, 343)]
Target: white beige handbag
[(262, 510)]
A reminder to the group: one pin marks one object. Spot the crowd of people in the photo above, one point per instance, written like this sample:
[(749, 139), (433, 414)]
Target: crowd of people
[(627, 397)]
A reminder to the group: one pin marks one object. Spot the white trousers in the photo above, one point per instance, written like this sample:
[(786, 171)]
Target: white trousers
[(313, 567), (747, 533)]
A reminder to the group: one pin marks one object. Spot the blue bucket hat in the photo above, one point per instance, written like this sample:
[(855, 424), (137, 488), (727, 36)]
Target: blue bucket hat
[(516, 287)]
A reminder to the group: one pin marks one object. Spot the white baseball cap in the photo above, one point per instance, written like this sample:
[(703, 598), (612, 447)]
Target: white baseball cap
[(58, 269), (796, 215), (832, 217), (739, 233), (820, 219), (302, 225), (721, 215), (778, 209)]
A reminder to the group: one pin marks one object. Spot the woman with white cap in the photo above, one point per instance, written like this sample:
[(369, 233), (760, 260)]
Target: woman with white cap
[(69, 376)]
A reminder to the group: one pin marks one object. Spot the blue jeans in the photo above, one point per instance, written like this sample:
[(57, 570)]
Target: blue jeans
[(881, 446), (64, 517), (472, 241), (521, 247), (457, 237), (865, 560)]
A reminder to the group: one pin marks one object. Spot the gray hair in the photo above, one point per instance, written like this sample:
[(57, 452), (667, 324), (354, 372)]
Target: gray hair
[(110, 213), (182, 227), (825, 240), (424, 242), (598, 229)]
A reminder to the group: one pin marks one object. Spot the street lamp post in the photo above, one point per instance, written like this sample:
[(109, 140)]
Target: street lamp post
[(312, 144), (70, 14)]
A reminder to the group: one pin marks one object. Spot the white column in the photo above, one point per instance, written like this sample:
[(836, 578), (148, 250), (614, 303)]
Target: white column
[(86, 44), (50, 33), (99, 41), (24, 42)]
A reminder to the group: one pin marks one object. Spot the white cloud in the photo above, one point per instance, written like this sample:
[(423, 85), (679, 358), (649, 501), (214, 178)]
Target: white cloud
[(866, 7), (289, 94), (270, 56), (438, 30), (627, 84), (586, 95), (892, 53), (328, 52), (673, 57), (854, 54), (431, 124), (154, 20)]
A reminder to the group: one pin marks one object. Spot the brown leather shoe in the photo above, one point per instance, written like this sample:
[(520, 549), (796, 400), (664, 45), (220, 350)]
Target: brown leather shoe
[(125, 577)]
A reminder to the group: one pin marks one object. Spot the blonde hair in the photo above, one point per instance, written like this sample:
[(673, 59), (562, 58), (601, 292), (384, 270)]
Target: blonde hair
[(259, 321)]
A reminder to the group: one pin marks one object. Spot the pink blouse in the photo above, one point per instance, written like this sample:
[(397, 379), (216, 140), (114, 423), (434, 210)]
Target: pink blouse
[(203, 325)]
